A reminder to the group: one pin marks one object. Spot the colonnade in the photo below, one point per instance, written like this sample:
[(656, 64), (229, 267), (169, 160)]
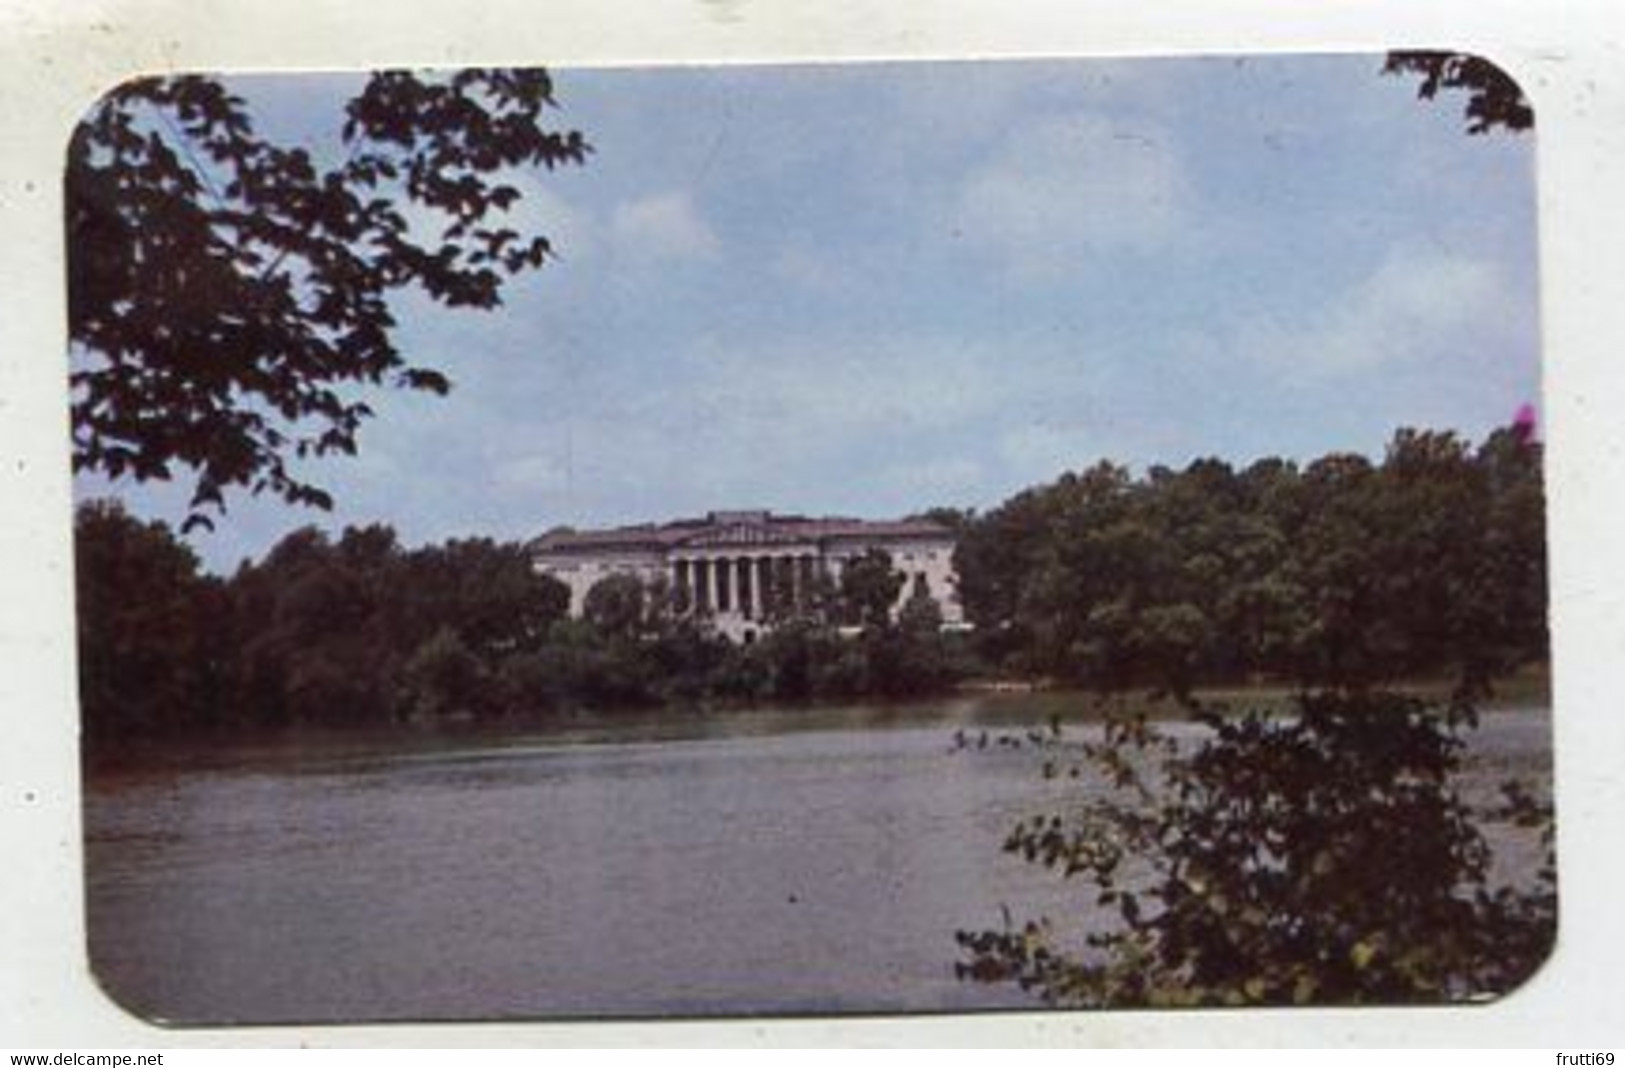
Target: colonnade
[(747, 584)]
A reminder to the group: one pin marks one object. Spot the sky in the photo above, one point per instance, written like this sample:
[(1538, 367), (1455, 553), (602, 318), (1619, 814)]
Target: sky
[(871, 289)]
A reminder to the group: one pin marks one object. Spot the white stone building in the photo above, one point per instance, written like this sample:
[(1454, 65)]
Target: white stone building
[(730, 566)]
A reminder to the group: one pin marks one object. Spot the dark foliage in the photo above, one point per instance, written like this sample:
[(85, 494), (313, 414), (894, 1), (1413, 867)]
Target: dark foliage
[(1431, 564), (869, 589), (360, 631), (229, 297), (350, 632), (154, 633), (1318, 854), (1323, 856), (1494, 100)]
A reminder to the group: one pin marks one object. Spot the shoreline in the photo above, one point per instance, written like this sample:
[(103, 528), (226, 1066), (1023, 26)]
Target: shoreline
[(992, 704)]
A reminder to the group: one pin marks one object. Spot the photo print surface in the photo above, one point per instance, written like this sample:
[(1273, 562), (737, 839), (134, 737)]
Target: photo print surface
[(841, 538)]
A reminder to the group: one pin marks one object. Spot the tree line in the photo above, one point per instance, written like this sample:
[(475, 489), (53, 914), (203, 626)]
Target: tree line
[(1430, 563), (1322, 853), (359, 630)]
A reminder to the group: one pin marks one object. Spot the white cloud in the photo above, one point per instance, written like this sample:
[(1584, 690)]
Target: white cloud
[(1417, 303), (543, 210), (1064, 188), (825, 424), (832, 390), (540, 210), (663, 227)]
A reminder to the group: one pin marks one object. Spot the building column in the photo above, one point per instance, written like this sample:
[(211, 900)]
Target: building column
[(702, 585), (679, 584), (744, 588), (723, 568), (787, 575), (764, 583)]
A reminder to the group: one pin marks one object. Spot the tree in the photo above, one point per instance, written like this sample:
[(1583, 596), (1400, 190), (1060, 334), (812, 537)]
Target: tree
[(1322, 852), (486, 593), (1322, 857), (1494, 100), (153, 630), (322, 640), (229, 296), (920, 616), (869, 589), (443, 680), (615, 605)]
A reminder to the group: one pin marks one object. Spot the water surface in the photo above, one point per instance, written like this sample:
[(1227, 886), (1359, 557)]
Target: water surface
[(763, 862)]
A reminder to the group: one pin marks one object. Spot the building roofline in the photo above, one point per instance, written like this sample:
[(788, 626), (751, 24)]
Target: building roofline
[(674, 534)]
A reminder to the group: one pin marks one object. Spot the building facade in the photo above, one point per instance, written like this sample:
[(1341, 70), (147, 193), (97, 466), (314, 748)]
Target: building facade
[(743, 569)]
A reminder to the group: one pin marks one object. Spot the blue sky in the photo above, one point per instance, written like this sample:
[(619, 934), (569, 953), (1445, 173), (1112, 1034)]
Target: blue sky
[(870, 289)]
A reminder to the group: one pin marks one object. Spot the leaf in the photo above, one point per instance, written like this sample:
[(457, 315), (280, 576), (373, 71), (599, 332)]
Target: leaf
[(424, 379), (193, 240)]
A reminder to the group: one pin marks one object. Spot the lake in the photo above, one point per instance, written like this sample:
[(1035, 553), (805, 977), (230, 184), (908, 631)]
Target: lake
[(770, 861)]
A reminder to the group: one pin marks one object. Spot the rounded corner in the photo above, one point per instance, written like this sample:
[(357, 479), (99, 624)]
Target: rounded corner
[(119, 999), (123, 86), (1497, 98), (1540, 959), (1497, 68)]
